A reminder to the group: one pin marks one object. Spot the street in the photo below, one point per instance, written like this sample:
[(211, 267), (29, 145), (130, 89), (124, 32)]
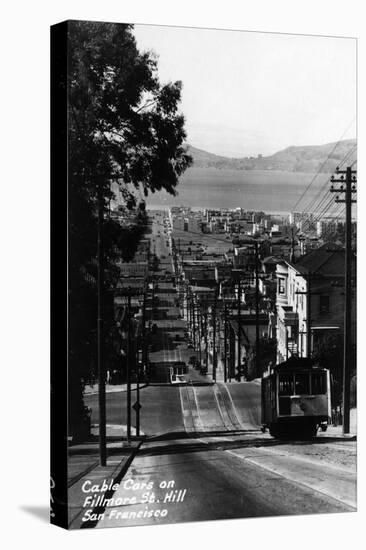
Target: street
[(224, 477), (216, 452), (204, 456)]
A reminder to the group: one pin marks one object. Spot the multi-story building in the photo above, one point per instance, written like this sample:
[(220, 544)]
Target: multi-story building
[(295, 217), (178, 223), (194, 224), (244, 257), (133, 269), (242, 341), (309, 301), (320, 227), (204, 272)]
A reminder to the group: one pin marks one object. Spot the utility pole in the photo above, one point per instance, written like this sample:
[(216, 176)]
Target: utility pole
[(189, 308), (239, 329), (199, 323), (292, 253), (257, 359), (144, 341), (137, 405), (308, 315), (237, 273), (191, 323), (214, 357), (130, 359), (206, 337), (128, 373), (100, 358), (225, 342), (348, 182), (231, 362), (186, 302), (152, 300), (194, 325)]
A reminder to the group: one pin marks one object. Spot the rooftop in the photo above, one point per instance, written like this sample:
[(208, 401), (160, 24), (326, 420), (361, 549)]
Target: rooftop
[(326, 260)]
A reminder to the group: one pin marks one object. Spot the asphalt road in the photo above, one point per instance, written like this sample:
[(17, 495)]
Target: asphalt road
[(210, 478), (205, 457), (160, 412), (167, 409)]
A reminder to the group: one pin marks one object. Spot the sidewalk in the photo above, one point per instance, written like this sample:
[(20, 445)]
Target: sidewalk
[(111, 388), (337, 431), (83, 465)]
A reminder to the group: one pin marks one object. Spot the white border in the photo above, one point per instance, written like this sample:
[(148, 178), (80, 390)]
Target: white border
[(25, 264)]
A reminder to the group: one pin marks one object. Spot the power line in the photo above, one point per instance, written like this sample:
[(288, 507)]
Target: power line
[(326, 181), (310, 218), (341, 211), (324, 163), (327, 192), (347, 181), (351, 151), (320, 215), (325, 210)]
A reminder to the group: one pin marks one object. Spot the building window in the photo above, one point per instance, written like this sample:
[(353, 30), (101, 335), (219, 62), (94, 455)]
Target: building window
[(324, 304), (281, 286)]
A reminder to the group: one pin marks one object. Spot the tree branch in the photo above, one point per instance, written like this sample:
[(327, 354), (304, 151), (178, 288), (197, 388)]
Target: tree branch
[(148, 104)]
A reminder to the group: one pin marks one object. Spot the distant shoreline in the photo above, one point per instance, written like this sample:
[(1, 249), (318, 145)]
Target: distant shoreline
[(273, 192), (199, 208)]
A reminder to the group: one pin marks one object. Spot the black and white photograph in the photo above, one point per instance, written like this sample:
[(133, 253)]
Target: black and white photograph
[(182, 261), (207, 360)]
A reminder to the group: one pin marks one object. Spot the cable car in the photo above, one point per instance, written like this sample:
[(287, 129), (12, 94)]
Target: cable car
[(178, 374), (295, 399)]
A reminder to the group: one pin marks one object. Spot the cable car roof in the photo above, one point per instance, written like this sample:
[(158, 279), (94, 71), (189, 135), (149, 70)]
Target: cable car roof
[(296, 363)]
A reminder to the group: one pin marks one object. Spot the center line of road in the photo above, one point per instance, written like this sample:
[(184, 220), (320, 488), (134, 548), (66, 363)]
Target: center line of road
[(343, 491)]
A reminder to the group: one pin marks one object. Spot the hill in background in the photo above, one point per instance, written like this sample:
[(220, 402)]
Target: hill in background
[(309, 158)]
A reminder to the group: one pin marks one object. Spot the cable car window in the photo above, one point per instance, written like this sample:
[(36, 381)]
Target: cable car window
[(302, 385), (318, 383), (286, 384)]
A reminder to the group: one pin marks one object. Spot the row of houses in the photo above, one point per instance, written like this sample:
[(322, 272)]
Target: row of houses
[(310, 301), (298, 304)]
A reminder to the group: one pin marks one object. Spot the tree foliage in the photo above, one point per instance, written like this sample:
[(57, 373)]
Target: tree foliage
[(124, 120), (124, 132)]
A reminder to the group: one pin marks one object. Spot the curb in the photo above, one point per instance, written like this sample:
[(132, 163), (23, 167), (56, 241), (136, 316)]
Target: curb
[(127, 463), (115, 390), (117, 479), (85, 472)]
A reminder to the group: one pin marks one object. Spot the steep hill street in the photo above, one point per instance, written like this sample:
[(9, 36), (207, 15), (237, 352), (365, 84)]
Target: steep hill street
[(203, 455)]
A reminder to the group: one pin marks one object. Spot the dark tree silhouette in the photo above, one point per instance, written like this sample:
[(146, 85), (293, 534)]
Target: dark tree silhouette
[(125, 133)]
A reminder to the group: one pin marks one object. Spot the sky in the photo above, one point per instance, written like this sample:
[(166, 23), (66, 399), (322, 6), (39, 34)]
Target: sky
[(247, 93)]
